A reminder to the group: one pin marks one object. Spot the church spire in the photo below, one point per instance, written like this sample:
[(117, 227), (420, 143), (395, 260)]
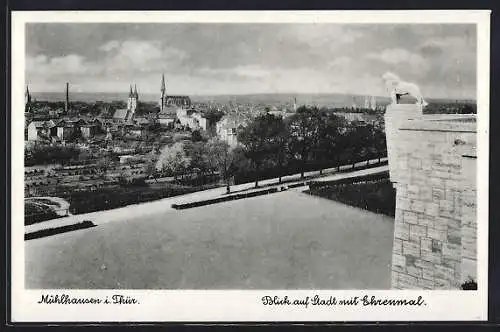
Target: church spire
[(130, 95), (136, 95)]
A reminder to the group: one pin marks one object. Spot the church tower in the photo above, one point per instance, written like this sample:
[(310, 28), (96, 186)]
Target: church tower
[(133, 98), (163, 95), (132, 102), (27, 100)]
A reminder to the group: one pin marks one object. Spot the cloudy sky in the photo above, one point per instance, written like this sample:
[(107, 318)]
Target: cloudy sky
[(240, 58)]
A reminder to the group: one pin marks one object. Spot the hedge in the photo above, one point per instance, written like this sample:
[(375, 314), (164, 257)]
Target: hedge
[(373, 193), (58, 230), (224, 199)]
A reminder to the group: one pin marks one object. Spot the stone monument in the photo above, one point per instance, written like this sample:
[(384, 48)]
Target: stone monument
[(432, 165)]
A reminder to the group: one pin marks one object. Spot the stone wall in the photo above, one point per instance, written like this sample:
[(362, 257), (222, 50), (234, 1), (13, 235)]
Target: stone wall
[(432, 166)]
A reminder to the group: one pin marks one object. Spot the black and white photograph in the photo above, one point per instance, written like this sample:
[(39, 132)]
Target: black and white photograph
[(250, 155)]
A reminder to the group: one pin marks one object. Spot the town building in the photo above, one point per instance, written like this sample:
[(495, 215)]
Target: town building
[(89, 130), (228, 127), (67, 129), (40, 130), (166, 118)]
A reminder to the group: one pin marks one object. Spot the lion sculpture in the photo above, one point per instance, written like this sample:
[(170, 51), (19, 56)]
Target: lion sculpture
[(398, 88)]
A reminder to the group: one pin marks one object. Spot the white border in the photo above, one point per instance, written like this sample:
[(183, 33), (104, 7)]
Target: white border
[(186, 305)]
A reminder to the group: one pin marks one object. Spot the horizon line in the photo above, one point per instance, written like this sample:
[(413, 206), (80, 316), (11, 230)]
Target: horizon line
[(246, 94)]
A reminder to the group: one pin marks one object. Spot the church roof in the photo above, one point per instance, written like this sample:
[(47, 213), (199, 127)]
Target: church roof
[(120, 114), (183, 100)]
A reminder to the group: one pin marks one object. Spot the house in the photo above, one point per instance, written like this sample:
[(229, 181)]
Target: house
[(228, 127), (137, 131), (166, 118), (41, 130), (66, 129), (142, 121), (89, 130), (204, 123)]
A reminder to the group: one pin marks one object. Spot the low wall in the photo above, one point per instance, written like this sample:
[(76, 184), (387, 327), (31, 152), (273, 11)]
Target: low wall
[(433, 169)]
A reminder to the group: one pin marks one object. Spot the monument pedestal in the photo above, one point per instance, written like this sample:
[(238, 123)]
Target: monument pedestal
[(432, 166), (397, 115)]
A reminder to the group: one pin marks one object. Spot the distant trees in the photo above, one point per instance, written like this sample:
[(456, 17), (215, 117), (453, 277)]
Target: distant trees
[(47, 154), (213, 115)]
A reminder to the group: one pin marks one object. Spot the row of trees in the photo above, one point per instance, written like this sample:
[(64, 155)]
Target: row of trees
[(310, 135), (271, 145)]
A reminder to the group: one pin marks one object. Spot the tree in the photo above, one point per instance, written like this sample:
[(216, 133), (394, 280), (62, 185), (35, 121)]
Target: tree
[(379, 142), (221, 157), (150, 170), (103, 165), (304, 129), (360, 137), (173, 160), (279, 146), (196, 136), (330, 131), (198, 156), (259, 138)]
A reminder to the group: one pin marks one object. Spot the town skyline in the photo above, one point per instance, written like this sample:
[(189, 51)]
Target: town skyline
[(215, 59)]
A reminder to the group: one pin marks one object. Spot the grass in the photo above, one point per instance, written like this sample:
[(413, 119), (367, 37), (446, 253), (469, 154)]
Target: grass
[(35, 213), (120, 196), (373, 195)]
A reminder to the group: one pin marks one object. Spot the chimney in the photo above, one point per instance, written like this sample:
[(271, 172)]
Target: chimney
[(66, 103)]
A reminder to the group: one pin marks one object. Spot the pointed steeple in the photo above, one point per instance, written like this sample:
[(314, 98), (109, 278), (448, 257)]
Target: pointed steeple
[(130, 95), (27, 91), (136, 95), (163, 89)]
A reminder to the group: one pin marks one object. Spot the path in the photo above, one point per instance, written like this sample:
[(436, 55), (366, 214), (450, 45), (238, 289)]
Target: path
[(163, 205)]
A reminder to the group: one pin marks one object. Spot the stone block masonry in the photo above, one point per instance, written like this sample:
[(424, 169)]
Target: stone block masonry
[(432, 165)]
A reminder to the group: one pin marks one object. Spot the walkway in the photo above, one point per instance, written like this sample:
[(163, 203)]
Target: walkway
[(163, 205)]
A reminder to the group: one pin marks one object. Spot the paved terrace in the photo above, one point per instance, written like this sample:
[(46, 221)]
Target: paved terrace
[(287, 240)]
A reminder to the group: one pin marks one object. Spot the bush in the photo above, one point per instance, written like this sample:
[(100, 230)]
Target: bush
[(469, 284), (58, 230)]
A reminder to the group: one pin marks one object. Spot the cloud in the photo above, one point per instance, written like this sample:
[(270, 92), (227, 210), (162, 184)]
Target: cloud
[(340, 62), (244, 71), (109, 46), (397, 56), (59, 66), (138, 55), (250, 58)]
